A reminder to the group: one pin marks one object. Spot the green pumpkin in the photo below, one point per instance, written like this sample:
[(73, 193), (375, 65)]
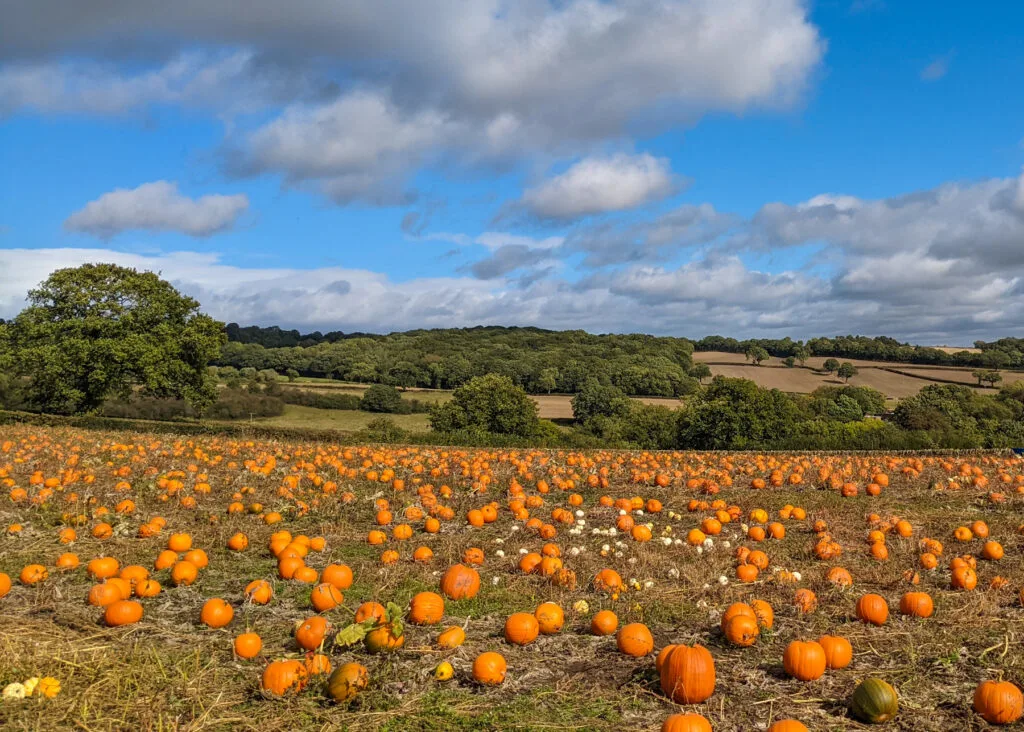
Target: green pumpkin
[(874, 702)]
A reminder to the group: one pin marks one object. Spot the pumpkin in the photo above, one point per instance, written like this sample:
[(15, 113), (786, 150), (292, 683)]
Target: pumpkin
[(838, 651), (102, 567), (452, 637), (521, 629), (147, 588), (742, 630), (184, 573), (248, 645), (874, 701), (917, 604), (443, 671), (283, 677), (370, 610), (216, 613), (964, 578), (608, 580), (550, 618), (735, 610), (325, 597), (426, 608), (489, 668), (383, 638), (339, 575), (805, 601), (604, 622), (764, 613), (460, 583), (998, 702), (317, 664), (104, 594), (123, 612), (179, 543), (259, 592), (804, 661), (687, 674), (788, 725), (5, 583), (635, 640), (840, 577), (686, 723), (872, 609), (310, 634)]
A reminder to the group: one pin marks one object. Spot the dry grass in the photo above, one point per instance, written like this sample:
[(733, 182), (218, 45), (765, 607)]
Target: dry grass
[(345, 420), (170, 673)]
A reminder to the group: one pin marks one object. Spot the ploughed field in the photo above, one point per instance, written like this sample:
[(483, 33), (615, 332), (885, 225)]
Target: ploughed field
[(211, 583)]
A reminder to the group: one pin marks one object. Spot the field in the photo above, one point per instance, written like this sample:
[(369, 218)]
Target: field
[(878, 375), (550, 406), (344, 420), (131, 497)]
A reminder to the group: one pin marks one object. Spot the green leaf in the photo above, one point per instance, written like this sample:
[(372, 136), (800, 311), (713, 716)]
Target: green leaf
[(352, 634)]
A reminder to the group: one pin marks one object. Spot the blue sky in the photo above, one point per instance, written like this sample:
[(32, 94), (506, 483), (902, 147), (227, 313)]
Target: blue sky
[(752, 167)]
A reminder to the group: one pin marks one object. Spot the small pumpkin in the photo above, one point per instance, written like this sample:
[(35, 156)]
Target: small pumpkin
[(788, 725), (123, 612), (874, 701), (686, 723), (687, 674), (216, 613), (742, 630), (838, 651), (460, 583), (804, 661), (310, 634), (426, 608), (521, 629), (248, 645), (917, 604), (873, 609), (489, 668), (635, 640), (452, 638), (325, 596), (284, 677), (550, 618), (998, 702), (604, 622)]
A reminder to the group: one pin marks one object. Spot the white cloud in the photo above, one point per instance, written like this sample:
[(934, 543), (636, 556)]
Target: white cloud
[(477, 80), (360, 146), (227, 83), (601, 184), (157, 206)]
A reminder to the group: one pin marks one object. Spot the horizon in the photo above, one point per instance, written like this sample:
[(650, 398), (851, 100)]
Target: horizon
[(754, 169)]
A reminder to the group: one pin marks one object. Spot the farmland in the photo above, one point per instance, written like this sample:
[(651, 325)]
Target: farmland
[(895, 380), (774, 528)]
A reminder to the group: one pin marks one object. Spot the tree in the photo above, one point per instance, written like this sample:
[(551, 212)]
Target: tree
[(547, 380), (489, 403), (789, 361), (831, 365), (992, 378), (101, 330), (292, 374), (595, 399), (801, 354), (735, 414), (757, 354), (846, 371), (381, 398), (700, 371)]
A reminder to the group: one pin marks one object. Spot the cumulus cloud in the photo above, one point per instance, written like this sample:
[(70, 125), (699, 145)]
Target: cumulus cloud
[(360, 146), (599, 185), (227, 83), (477, 81), (157, 206)]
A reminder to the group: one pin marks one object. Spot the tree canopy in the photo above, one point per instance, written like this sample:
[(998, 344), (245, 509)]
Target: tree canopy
[(101, 330)]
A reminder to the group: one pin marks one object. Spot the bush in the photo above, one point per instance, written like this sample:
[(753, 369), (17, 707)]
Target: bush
[(232, 404), (381, 398), (382, 429), (490, 403)]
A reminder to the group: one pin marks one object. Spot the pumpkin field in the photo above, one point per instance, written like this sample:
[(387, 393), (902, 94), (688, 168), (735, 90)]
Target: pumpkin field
[(187, 583)]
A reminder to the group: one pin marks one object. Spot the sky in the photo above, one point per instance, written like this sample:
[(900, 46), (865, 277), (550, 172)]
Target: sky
[(750, 168)]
